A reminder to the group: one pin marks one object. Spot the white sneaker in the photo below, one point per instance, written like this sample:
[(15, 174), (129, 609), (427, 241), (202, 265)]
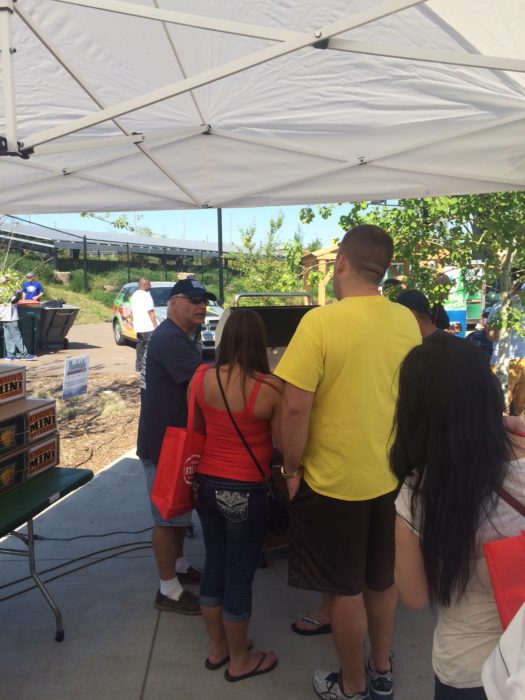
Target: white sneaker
[(326, 685)]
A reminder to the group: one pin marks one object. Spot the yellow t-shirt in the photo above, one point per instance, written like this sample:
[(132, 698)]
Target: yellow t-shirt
[(348, 353)]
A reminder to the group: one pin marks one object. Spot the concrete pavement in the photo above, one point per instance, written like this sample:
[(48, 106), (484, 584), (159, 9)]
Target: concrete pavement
[(118, 647)]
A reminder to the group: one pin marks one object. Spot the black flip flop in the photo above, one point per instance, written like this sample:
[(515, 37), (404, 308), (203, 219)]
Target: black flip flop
[(319, 629), (215, 665), (257, 671)]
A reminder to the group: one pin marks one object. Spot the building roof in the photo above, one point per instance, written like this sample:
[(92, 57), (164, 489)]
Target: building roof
[(37, 236)]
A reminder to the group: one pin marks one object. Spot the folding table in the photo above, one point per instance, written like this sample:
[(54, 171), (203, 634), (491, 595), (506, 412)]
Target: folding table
[(23, 503)]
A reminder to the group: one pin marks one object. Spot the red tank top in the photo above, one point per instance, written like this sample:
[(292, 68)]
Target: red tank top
[(224, 453)]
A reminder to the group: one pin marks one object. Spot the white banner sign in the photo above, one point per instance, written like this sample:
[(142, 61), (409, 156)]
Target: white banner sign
[(76, 372)]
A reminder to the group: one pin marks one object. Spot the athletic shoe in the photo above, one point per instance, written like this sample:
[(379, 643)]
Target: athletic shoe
[(28, 358), (327, 686), (11, 358), (380, 685)]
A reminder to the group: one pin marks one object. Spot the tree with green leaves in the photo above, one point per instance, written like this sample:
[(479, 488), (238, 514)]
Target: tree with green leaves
[(437, 233), (266, 266), (450, 231)]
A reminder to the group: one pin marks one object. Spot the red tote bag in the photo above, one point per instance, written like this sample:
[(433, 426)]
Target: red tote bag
[(179, 457), (506, 564)]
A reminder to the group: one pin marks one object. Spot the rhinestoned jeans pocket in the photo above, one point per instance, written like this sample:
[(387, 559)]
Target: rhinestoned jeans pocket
[(233, 505)]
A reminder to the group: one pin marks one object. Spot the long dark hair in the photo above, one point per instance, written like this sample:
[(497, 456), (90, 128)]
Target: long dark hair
[(449, 439), (243, 343)]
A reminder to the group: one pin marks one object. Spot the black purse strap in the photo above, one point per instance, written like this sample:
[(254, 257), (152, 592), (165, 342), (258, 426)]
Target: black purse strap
[(513, 503), (239, 433)]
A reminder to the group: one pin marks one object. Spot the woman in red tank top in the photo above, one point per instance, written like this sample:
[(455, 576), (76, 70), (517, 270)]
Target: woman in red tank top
[(231, 494)]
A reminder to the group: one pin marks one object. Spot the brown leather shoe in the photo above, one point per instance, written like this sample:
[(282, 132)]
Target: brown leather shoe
[(191, 576), (187, 604)]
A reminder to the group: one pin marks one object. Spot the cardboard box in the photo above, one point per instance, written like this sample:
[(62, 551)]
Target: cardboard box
[(12, 383), (41, 456), (11, 471), (24, 421), (35, 458)]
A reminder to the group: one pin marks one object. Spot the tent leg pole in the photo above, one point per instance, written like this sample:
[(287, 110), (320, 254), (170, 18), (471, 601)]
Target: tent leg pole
[(219, 241), (84, 247), (8, 76)]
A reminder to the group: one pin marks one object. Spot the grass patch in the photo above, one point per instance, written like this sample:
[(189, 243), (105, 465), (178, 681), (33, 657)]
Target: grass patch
[(110, 404), (91, 311)]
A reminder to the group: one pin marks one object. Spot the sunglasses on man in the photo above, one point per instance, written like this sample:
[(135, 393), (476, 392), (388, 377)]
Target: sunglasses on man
[(192, 300)]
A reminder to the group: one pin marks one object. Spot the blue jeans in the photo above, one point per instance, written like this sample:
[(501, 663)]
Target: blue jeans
[(447, 692), (13, 339), (234, 519)]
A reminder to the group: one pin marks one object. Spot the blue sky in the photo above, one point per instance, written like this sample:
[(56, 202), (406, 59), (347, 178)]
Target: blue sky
[(201, 224)]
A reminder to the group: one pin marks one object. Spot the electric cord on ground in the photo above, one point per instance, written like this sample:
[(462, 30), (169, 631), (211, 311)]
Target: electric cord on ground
[(141, 545), (102, 534)]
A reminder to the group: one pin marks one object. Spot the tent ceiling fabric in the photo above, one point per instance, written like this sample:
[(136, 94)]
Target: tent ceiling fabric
[(179, 104)]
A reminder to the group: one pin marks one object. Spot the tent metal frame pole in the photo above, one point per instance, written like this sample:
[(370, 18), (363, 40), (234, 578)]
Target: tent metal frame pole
[(165, 259), (282, 35), (511, 183), (6, 10), (67, 67), (231, 68), (89, 144), (220, 254), (84, 264), (377, 160), (127, 260), (409, 53), (186, 19)]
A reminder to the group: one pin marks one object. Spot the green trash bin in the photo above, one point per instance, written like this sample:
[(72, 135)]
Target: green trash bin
[(29, 324), (51, 323), (55, 324)]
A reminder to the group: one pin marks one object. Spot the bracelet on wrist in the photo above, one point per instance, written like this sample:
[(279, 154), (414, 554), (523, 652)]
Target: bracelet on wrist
[(291, 475)]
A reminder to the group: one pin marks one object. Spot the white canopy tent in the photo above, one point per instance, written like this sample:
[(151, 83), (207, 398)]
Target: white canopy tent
[(179, 104)]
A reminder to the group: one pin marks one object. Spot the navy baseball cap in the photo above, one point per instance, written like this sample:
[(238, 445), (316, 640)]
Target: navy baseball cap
[(414, 300), (191, 288)]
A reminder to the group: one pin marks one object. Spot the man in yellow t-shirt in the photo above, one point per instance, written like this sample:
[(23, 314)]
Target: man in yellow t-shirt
[(341, 373)]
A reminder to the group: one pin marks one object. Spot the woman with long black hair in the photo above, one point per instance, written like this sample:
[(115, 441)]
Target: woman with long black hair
[(453, 456), (232, 498)]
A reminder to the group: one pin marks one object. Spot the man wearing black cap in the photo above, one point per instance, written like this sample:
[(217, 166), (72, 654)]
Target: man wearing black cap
[(430, 320), (170, 360)]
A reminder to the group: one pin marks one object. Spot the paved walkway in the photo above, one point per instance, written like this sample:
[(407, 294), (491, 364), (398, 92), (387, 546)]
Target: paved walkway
[(118, 647)]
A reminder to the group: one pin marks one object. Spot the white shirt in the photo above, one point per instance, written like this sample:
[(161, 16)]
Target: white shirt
[(8, 312), (468, 630), (141, 304)]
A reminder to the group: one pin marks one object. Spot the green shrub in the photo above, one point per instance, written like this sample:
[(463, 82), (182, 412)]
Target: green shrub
[(77, 281), (103, 297)]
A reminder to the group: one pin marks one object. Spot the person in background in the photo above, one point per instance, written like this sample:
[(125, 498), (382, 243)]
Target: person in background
[(170, 360), (340, 370), (479, 337), (32, 290), (452, 452), (431, 320), (232, 499), (515, 398), (15, 348), (143, 317)]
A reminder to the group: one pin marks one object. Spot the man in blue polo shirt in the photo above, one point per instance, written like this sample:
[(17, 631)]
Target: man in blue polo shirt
[(32, 290), (171, 358)]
